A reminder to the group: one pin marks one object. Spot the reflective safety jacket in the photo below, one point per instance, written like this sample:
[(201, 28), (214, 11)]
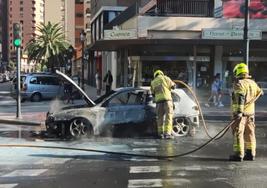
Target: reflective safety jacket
[(161, 88), (244, 91)]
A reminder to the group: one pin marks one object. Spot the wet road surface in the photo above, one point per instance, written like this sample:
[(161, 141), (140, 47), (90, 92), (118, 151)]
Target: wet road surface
[(209, 167)]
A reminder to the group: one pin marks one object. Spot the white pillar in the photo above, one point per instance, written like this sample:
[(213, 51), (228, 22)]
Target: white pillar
[(218, 68)]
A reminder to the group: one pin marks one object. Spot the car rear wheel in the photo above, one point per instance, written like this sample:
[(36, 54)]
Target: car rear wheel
[(80, 127), (36, 97), (181, 127)]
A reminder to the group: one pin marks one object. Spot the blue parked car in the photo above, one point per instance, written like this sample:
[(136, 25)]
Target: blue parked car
[(38, 86)]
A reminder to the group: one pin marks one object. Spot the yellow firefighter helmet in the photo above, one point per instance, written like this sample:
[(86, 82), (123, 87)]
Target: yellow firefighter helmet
[(240, 69), (158, 72)]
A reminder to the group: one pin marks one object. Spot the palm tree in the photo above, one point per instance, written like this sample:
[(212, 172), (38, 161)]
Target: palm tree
[(48, 46)]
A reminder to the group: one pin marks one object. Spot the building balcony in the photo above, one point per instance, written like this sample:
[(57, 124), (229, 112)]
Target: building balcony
[(191, 8)]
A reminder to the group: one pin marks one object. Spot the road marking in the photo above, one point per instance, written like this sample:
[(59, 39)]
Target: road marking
[(145, 183), (28, 172), (142, 159), (158, 182), (145, 149), (51, 161), (144, 169), (145, 144), (8, 185)]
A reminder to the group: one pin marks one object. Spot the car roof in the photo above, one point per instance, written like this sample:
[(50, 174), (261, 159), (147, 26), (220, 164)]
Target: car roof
[(120, 89), (41, 74)]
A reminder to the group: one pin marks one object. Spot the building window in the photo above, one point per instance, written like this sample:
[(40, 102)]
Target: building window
[(111, 16), (21, 9), (10, 8), (21, 2)]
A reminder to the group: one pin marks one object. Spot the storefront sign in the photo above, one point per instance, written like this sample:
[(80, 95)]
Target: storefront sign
[(119, 34), (230, 34)]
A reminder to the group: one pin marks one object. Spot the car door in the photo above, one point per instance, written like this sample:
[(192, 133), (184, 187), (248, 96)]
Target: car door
[(54, 86), (126, 107)]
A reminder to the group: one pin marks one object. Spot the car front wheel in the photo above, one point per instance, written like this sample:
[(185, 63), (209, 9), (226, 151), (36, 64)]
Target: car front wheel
[(181, 127), (36, 97), (80, 127)]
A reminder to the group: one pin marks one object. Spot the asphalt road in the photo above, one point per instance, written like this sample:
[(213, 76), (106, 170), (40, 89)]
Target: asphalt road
[(209, 167)]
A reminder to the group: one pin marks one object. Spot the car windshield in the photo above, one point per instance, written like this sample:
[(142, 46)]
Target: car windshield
[(103, 97)]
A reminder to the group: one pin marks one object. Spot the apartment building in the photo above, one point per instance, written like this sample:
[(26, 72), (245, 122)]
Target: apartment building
[(29, 14), (1, 28), (4, 36), (63, 12), (181, 37)]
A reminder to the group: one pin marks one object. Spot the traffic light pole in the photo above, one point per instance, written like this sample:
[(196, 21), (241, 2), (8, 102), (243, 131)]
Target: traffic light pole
[(18, 84)]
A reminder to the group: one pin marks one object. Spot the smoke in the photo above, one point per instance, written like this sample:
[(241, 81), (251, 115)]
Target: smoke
[(213, 129), (55, 105)]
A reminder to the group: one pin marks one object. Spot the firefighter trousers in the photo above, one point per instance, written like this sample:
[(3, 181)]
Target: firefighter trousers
[(244, 136), (164, 111)]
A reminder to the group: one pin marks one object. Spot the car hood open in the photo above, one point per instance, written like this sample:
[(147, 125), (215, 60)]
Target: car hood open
[(86, 98)]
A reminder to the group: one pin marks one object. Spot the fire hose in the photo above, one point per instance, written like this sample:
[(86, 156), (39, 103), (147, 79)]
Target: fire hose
[(201, 113), (219, 135)]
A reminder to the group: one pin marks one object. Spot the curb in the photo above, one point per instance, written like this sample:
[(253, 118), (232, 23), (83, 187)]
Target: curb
[(20, 122)]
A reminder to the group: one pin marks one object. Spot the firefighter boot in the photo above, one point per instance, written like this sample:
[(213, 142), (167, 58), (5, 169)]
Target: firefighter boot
[(249, 156), (235, 158)]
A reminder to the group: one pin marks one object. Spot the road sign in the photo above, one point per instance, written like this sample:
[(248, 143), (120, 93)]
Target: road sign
[(229, 34)]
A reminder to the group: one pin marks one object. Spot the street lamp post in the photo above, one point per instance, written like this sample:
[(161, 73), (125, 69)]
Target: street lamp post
[(246, 28), (82, 38)]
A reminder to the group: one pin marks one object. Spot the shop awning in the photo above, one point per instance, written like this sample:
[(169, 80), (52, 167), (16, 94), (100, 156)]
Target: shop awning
[(114, 45)]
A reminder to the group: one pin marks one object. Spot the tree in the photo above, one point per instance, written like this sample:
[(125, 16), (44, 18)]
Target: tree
[(48, 46)]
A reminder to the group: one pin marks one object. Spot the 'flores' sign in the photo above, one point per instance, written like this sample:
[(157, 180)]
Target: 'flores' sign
[(230, 34), (119, 34)]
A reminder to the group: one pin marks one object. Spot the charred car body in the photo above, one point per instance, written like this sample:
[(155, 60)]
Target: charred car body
[(123, 106)]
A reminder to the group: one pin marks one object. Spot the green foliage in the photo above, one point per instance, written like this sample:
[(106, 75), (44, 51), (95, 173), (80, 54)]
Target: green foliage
[(48, 46)]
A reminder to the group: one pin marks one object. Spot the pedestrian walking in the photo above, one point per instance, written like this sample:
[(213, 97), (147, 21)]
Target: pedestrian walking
[(161, 89), (68, 93), (245, 91), (219, 90), (108, 79), (214, 93), (98, 83)]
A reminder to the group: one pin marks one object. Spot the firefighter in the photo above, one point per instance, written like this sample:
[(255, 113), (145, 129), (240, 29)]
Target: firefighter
[(161, 89), (245, 91)]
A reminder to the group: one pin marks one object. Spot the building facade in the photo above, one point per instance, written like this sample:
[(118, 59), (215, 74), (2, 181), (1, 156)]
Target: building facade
[(1, 28), (189, 40), (29, 14), (4, 36), (62, 12)]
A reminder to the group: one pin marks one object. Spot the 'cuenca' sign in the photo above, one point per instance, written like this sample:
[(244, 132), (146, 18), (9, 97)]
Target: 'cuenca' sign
[(119, 34), (230, 34)]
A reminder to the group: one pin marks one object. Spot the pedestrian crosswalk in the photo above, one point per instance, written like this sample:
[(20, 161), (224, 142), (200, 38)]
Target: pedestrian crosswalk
[(8, 185)]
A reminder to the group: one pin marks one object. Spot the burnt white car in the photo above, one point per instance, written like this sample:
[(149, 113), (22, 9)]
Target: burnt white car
[(121, 107)]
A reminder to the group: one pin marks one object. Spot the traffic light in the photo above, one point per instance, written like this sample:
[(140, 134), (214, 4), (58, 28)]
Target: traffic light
[(16, 34)]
